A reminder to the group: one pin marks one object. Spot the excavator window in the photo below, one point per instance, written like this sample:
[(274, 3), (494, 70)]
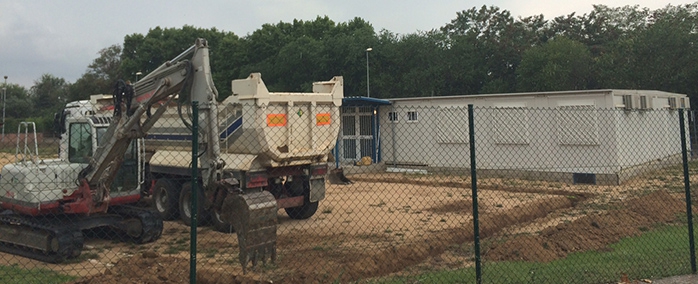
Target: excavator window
[(80, 143)]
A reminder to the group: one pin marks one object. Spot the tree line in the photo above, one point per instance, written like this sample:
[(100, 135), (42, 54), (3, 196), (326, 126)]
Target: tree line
[(482, 50)]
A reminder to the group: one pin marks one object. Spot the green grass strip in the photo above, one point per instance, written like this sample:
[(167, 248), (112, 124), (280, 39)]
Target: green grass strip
[(15, 275)]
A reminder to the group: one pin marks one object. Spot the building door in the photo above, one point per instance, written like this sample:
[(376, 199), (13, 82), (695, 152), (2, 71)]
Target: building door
[(357, 133)]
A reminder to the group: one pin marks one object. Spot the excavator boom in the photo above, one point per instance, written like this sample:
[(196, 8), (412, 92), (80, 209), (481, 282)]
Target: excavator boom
[(191, 80), (188, 78)]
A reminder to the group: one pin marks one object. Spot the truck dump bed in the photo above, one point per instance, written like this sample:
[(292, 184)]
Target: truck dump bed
[(286, 128), (260, 128)]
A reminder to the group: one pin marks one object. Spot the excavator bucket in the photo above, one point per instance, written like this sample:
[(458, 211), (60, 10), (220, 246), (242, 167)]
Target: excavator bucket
[(337, 176), (253, 215)]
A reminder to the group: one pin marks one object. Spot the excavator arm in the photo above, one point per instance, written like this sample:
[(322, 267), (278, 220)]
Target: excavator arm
[(190, 79), (253, 214)]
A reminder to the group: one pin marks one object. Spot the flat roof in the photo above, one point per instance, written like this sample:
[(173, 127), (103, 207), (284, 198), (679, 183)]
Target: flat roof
[(363, 101), (550, 93)]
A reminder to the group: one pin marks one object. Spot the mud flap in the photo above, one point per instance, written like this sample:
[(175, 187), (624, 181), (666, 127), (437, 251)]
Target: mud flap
[(337, 176), (253, 215)]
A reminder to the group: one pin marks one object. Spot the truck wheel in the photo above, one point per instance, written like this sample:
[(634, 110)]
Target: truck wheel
[(185, 207), (304, 211), (299, 187), (165, 199)]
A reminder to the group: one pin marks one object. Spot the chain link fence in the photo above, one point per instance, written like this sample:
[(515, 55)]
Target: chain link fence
[(566, 195)]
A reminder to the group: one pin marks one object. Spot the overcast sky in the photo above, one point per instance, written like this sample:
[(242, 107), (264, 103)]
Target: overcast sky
[(63, 37)]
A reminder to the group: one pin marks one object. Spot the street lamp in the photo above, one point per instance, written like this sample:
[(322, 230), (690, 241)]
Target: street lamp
[(138, 74), (4, 99), (368, 81)]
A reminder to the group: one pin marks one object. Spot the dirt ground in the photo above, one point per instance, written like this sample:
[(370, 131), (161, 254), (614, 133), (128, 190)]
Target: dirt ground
[(388, 224)]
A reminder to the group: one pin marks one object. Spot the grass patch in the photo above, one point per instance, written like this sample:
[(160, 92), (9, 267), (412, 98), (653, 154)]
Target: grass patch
[(210, 252), (658, 253), (178, 245), (16, 275)]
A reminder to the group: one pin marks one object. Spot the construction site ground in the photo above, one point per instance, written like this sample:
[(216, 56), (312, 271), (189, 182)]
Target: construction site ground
[(396, 224)]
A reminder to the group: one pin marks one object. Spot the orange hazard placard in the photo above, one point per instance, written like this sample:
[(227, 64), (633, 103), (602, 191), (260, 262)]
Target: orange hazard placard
[(323, 119), (276, 120)]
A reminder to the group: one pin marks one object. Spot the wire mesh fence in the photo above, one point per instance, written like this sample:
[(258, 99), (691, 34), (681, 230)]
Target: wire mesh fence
[(370, 195)]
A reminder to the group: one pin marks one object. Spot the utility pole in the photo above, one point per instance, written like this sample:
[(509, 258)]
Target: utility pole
[(368, 80), (4, 99)]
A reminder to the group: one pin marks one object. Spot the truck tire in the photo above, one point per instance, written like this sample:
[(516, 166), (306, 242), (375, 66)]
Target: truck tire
[(298, 187), (184, 205), (304, 211), (166, 199)]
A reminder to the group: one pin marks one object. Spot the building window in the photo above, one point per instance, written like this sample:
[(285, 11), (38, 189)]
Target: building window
[(412, 116), (452, 125), (510, 125), (577, 125), (392, 116)]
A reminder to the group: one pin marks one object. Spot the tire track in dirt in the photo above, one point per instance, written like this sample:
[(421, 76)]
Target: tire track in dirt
[(467, 185), (352, 266)]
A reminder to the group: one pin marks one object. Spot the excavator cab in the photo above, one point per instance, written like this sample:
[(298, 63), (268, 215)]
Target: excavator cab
[(80, 143), (82, 137)]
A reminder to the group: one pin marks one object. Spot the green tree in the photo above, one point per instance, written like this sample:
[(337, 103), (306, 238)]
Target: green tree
[(227, 60), (558, 65), (609, 33), (144, 53), (299, 64), (48, 94), (344, 54), (495, 42), (410, 65), (100, 76), (107, 66), (316, 49), (482, 50), (664, 52), (18, 104)]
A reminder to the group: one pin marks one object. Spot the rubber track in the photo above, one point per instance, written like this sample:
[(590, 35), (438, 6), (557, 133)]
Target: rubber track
[(150, 220), (70, 239)]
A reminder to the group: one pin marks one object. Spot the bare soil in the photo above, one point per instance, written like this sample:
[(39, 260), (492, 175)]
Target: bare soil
[(388, 224), (592, 232)]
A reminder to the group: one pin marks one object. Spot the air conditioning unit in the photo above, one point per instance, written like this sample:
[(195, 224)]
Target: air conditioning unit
[(672, 103), (643, 103), (627, 102)]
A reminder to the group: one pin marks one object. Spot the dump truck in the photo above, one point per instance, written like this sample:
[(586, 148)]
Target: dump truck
[(258, 151), (276, 142)]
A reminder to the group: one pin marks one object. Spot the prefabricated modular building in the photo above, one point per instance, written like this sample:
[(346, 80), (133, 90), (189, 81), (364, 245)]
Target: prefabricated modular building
[(590, 136)]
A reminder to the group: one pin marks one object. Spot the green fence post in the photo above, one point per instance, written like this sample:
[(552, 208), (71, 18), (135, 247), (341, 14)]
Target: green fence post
[(687, 185), (194, 188), (473, 180)]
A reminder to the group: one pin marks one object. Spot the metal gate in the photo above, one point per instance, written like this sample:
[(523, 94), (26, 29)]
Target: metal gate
[(357, 133)]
